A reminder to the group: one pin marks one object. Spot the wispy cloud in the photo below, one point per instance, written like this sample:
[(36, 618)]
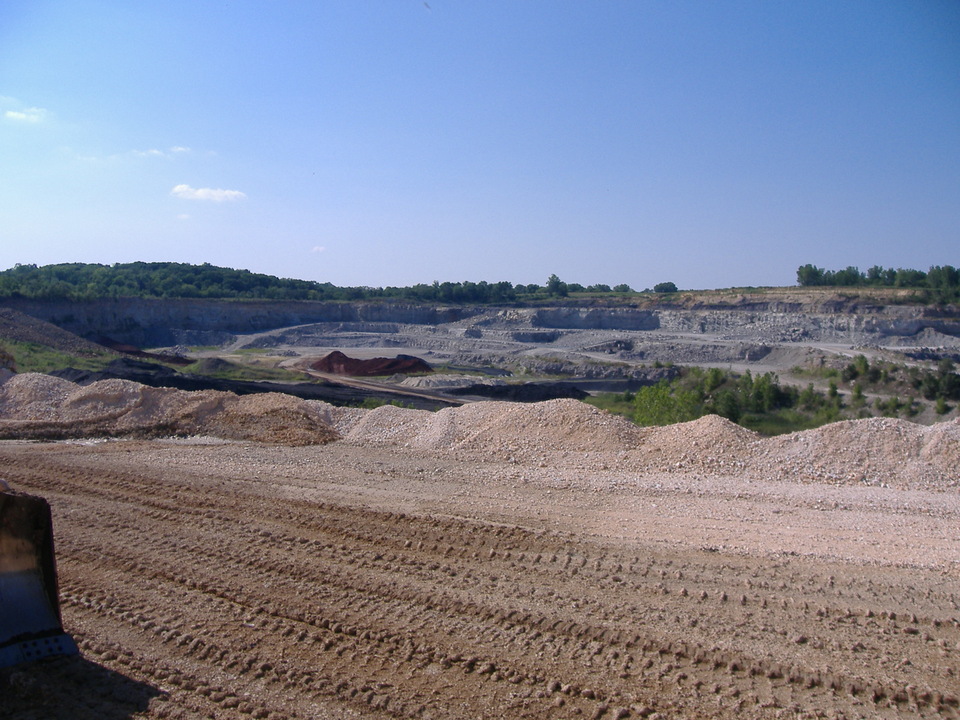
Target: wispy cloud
[(26, 115), (148, 153), (129, 155), (318, 249), (185, 192), (154, 152)]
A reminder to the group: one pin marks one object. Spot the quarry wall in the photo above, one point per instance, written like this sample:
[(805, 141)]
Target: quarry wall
[(157, 322)]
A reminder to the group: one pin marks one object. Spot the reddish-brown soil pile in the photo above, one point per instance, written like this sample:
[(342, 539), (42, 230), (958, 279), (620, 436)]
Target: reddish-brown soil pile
[(340, 364)]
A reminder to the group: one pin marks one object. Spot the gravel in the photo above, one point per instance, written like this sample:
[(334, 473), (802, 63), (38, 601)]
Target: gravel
[(562, 434)]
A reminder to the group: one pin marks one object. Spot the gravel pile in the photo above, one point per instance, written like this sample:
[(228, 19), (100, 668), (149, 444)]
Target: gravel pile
[(708, 444), (561, 434), (33, 396), (568, 434), (385, 425), (431, 382), (36, 406), (873, 451), (517, 431)]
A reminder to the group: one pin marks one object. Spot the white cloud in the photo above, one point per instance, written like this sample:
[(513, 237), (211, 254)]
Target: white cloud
[(185, 192), (153, 152), (318, 249), (27, 115)]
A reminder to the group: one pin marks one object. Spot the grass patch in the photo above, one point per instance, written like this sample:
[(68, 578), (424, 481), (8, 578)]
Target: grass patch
[(250, 373), (371, 403), (783, 422), (615, 403), (33, 357)]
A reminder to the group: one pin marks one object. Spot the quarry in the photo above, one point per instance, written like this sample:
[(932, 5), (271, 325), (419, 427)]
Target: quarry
[(270, 556)]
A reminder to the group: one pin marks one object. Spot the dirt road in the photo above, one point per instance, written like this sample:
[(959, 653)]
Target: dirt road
[(245, 581)]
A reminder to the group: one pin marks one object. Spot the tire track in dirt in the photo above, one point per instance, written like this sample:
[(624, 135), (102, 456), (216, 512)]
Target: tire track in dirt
[(272, 612)]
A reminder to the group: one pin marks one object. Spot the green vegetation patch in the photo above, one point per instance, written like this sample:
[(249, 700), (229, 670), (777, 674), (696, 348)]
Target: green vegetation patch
[(224, 370), (33, 357), (939, 284), (762, 404)]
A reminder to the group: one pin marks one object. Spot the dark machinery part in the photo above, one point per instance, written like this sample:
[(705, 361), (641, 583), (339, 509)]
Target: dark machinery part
[(30, 623)]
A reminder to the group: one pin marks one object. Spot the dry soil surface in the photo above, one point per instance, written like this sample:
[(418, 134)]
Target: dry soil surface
[(493, 561)]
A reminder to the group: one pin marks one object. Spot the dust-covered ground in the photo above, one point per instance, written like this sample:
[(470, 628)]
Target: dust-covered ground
[(489, 561)]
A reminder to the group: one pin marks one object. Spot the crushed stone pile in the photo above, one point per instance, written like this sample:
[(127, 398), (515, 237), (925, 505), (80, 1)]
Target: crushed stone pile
[(555, 433), (37, 406), (569, 433), (385, 425), (500, 429), (707, 444), (431, 382), (872, 451)]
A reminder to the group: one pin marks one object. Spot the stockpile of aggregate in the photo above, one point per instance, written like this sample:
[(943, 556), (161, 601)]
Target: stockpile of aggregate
[(37, 406), (872, 451), (569, 433), (557, 433), (500, 429)]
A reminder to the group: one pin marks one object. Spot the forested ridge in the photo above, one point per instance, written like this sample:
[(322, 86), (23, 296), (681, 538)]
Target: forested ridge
[(938, 284), (81, 281), (86, 281)]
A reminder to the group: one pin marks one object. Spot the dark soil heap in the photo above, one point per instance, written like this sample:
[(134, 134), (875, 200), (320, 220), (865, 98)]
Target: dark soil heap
[(340, 364), (18, 327)]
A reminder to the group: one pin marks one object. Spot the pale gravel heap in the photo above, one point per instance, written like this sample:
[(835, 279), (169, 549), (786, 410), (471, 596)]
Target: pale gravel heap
[(40, 406), (571, 434), (562, 434)]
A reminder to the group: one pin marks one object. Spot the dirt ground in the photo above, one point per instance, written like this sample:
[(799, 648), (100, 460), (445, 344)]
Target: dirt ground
[(211, 579)]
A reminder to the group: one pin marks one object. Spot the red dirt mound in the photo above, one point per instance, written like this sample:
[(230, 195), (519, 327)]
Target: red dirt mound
[(338, 363)]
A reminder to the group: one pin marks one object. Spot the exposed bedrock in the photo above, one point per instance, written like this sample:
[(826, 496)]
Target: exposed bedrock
[(154, 322)]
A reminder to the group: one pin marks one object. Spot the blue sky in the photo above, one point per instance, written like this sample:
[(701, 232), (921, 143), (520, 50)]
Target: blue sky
[(392, 142)]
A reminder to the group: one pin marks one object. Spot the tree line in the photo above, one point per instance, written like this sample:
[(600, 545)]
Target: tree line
[(939, 283), (83, 281)]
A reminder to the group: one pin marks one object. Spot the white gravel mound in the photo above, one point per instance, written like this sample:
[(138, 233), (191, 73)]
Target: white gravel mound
[(40, 406), (561, 433), (872, 451), (570, 433)]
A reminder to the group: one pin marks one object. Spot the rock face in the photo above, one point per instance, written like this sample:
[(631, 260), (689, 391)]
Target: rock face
[(149, 322), (754, 321), (596, 319)]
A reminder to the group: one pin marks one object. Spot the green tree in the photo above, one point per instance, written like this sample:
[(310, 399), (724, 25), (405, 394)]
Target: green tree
[(809, 400), (942, 408), (556, 286), (713, 379), (662, 405), (727, 405), (808, 275), (858, 396), (665, 287)]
